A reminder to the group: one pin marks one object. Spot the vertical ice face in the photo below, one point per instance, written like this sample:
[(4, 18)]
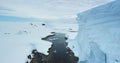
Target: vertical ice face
[(96, 55), (102, 26)]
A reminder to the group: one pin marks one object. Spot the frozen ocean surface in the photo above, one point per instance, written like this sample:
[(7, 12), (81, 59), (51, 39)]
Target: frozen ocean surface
[(18, 39), (96, 41)]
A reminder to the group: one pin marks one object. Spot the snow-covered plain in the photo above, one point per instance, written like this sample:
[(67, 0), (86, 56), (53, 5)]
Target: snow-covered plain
[(100, 25), (97, 41), (19, 38)]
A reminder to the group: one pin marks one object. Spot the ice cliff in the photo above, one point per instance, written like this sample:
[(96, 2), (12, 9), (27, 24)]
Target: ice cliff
[(100, 27)]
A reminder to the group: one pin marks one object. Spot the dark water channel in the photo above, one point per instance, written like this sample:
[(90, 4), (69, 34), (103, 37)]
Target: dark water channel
[(58, 52)]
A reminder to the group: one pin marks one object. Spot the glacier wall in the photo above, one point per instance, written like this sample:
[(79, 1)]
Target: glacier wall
[(100, 25)]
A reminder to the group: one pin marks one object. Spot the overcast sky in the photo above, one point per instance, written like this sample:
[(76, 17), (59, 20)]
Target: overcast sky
[(47, 9)]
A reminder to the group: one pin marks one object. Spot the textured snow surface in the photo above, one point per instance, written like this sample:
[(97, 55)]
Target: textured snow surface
[(19, 38), (100, 25)]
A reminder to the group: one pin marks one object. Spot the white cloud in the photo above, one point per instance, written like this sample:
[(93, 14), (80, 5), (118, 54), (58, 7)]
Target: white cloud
[(49, 9)]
